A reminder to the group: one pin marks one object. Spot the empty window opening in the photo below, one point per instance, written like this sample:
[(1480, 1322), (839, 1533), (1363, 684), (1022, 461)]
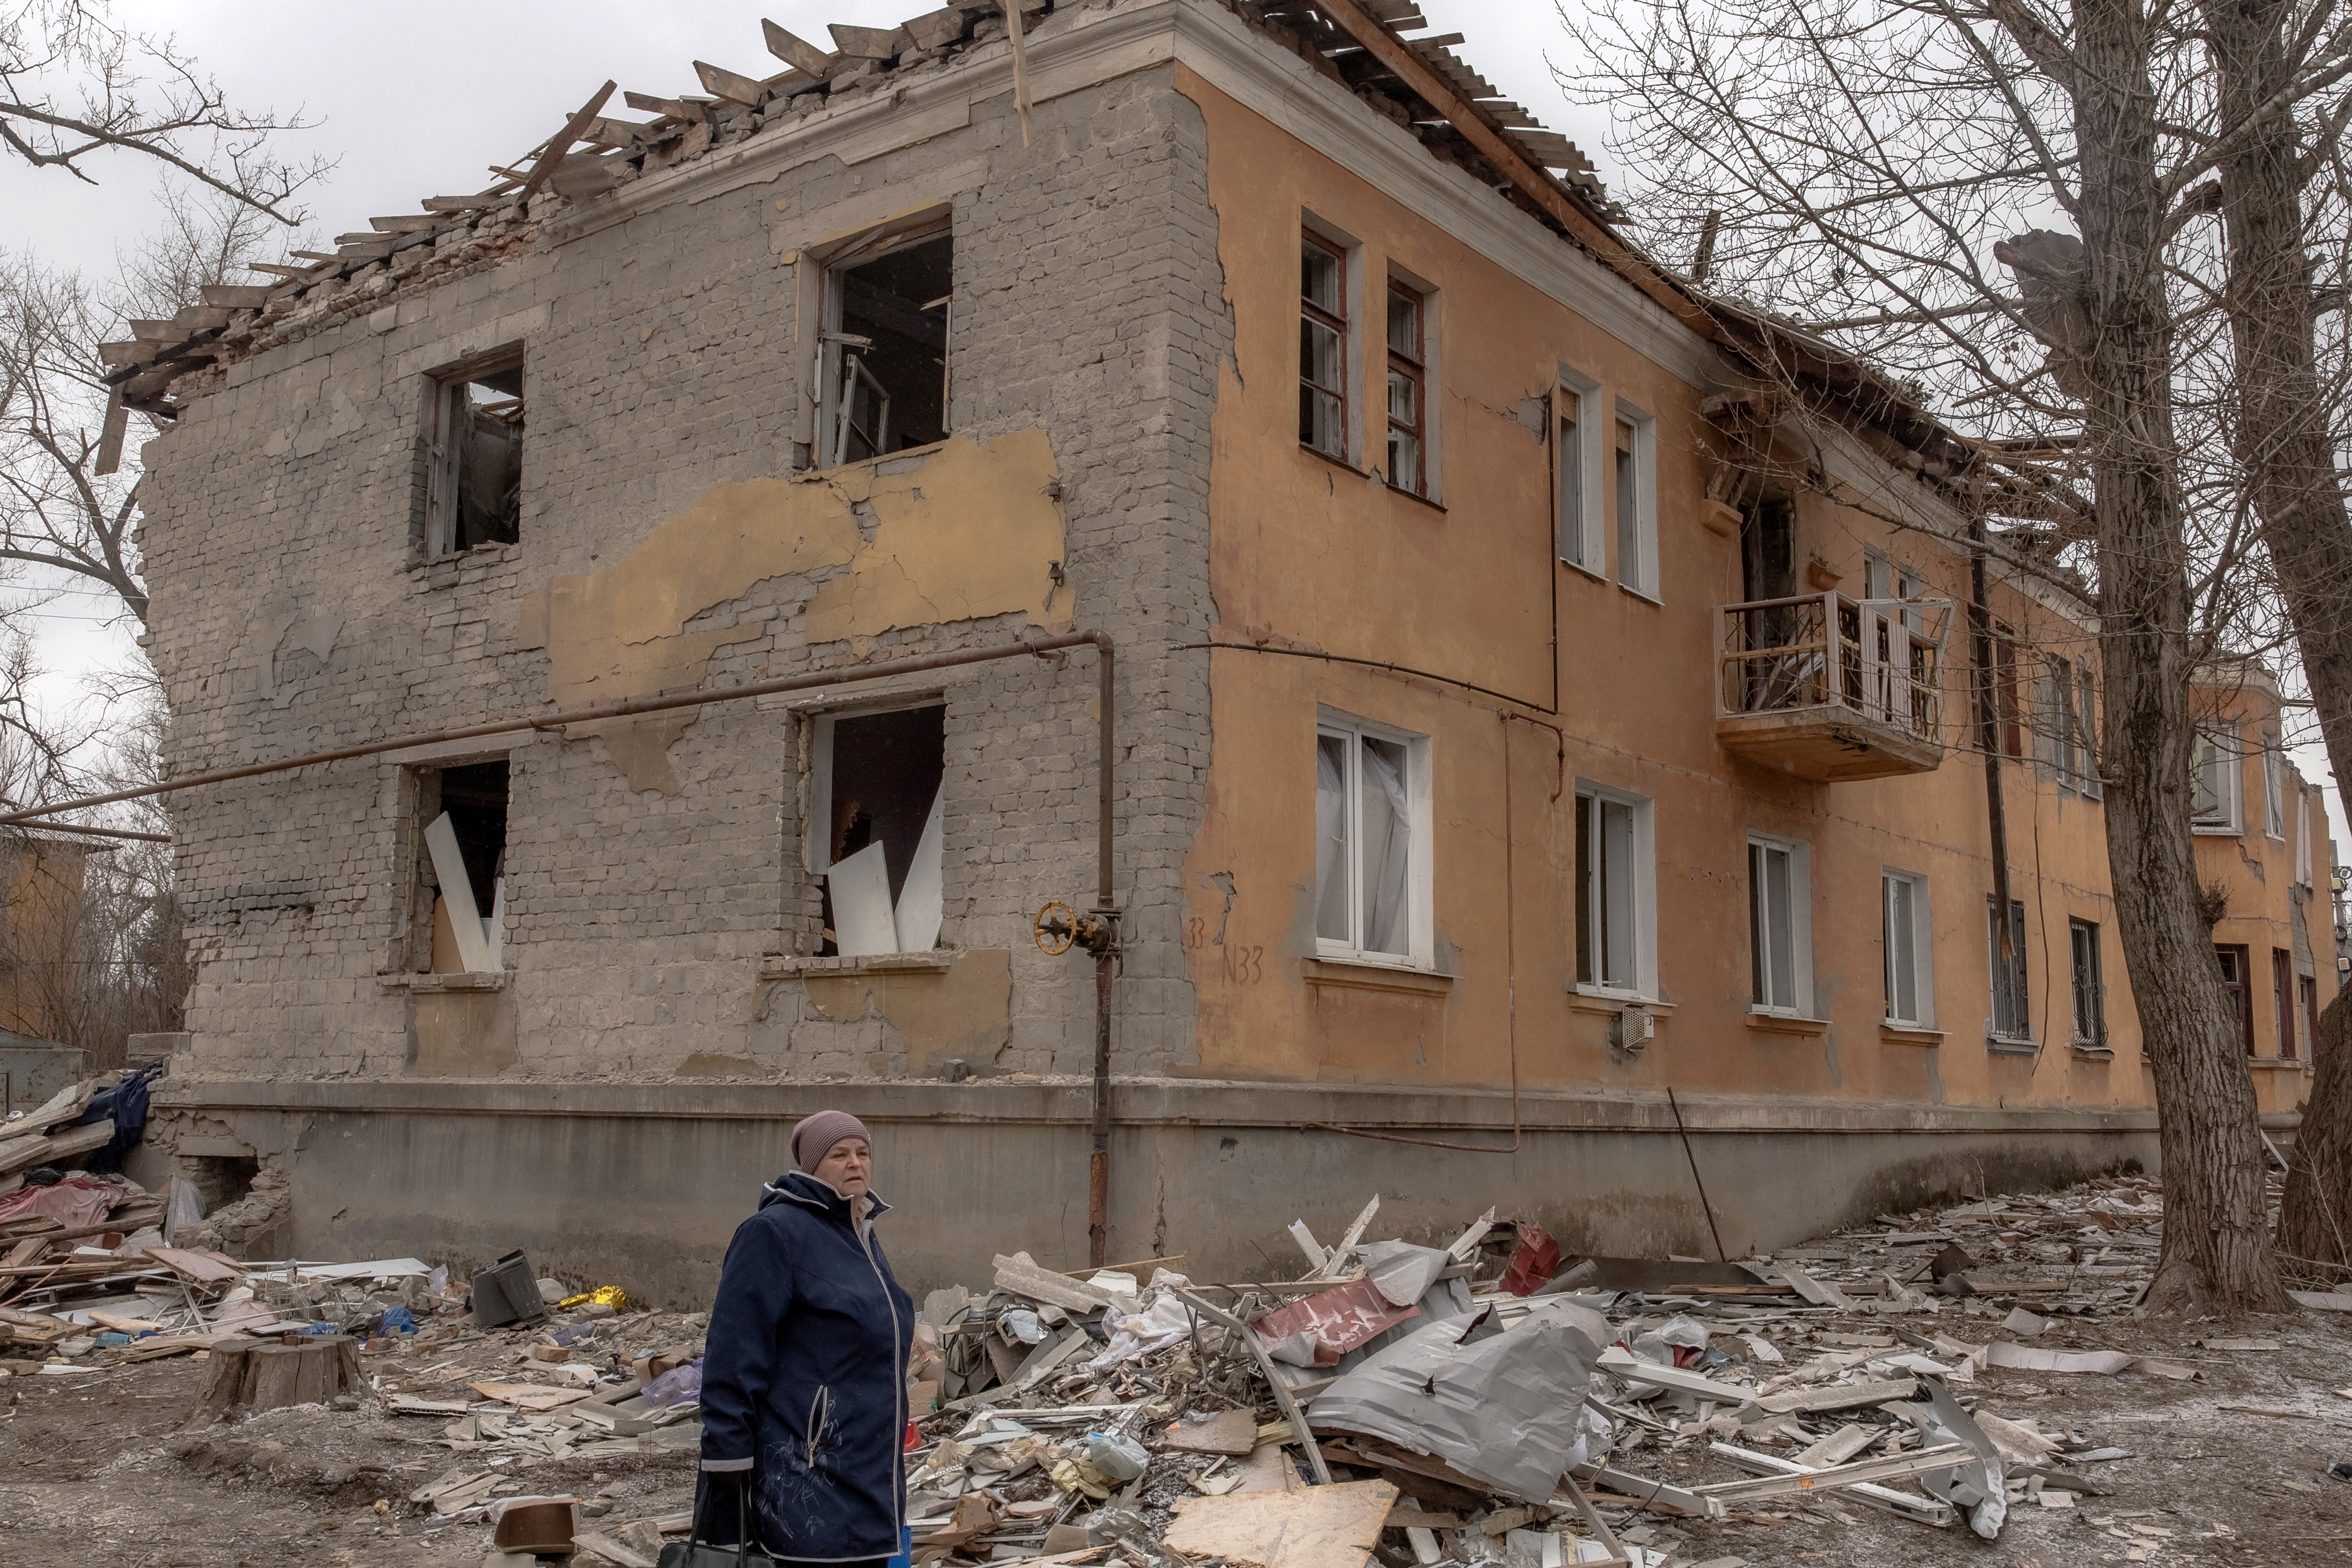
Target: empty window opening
[(2012, 1019), (1323, 347), (2236, 964), (462, 875), (476, 496), (2274, 787), (878, 829), (1408, 392), (1606, 901), (886, 358), (2090, 990)]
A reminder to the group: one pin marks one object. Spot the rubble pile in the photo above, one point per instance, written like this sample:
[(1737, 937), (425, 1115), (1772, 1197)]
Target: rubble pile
[(1487, 1401)]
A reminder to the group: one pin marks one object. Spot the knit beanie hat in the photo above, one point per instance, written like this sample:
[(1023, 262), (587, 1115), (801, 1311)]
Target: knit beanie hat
[(818, 1133)]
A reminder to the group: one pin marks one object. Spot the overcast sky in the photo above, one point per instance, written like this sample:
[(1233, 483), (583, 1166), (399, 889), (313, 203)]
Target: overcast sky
[(418, 100)]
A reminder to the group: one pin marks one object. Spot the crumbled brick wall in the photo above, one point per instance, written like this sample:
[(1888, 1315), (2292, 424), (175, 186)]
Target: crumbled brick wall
[(283, 515)]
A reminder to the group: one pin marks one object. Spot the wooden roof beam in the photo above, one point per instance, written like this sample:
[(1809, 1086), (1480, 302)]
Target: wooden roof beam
[(1525, 177), (552, 152)]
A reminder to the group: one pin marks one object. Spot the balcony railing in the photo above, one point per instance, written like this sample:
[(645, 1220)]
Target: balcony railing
[(1832, 688)]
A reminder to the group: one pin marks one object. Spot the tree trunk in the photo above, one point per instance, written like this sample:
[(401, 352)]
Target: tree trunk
[(266, 1374), (2217, 1252), (2281, 439)]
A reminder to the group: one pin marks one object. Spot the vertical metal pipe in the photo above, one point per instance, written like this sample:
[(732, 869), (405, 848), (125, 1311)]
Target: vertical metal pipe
[(1099, 1161)]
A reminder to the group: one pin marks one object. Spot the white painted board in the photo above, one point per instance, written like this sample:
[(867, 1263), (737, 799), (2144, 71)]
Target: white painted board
[(863, 925), (465, 915), (921, 900)]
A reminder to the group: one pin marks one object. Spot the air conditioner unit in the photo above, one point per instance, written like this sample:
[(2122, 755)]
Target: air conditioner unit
[(1634, 1028)]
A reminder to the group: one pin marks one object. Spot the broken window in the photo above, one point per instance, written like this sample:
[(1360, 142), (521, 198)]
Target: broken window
[(1371, 832), (1323, 347), (1408, 391), (461, 876), (2213, 782), (1779, 925), (2090, 990), (475, 494), (1910, 992), (2012, 1020), (876, 828), (883, 372), (2303, 856), (2237, 985)]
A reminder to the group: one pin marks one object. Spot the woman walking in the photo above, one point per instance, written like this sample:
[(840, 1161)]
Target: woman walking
[(804, 1372)]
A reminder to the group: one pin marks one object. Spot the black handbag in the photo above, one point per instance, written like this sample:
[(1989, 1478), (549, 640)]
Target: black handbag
[(696, 1552)]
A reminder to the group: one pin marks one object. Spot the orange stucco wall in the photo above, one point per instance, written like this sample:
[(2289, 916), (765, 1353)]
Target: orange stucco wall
[(1308, 554)]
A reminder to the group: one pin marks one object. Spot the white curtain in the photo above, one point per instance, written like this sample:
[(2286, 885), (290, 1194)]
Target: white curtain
[(1331, 837), (1388, 833)]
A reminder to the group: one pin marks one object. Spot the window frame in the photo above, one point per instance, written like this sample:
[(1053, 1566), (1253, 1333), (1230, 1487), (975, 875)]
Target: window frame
[(1419, 881), (444, 391), (1799, 883), (1580, 460), (1642, 516), (2084, 714), (2009, 714), (2282, 1001), (2242, 988), (1642, 893), (833, 263), (1415, 368), (1342, 325), (1922, 956), (2274, 787), (2303, 858), (2019, 981), (2226, 742), (816, 791), (2089, 984)]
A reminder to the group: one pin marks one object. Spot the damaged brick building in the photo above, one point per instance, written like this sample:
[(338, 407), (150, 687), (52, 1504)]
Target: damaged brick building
[(1464, 788)]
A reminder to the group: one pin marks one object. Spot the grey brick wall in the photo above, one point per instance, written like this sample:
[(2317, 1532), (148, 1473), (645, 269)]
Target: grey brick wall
[(290, 613)]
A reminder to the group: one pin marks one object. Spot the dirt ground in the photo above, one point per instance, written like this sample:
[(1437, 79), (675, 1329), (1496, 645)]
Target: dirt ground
[(94, 1473)]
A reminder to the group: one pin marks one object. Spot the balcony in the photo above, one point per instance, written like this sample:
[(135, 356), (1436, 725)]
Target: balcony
[(1833, 688)]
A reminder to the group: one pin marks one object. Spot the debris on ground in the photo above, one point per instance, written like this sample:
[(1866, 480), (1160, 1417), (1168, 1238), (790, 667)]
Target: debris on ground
[(1488, 1398)]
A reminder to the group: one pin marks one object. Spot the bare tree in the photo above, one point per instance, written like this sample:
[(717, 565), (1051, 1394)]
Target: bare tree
[(74, 83), (61, 507), (1998, 198)]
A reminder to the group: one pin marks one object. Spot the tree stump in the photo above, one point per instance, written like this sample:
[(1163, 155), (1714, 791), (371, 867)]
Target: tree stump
[(266, 1374)]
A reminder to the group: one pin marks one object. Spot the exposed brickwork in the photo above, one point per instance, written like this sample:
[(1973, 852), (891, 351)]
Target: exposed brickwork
[(283, 516)]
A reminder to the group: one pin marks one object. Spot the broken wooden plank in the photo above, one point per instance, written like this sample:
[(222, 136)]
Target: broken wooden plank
[(795, 52), (202, 1268), (1619, 1362), (1910, 1505), (24, 1153), (720, 83), (528, 1395), (482, 202), (867, 43), (1020, 1274), (1838, 1447), (1229, 1432), (1648, 1490), (1892, 1467), (680, 108), (936, 29), (1818, 1292), (552, 154)]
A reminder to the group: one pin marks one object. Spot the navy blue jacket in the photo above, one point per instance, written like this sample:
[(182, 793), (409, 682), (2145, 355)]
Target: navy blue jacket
[(805, 1378)]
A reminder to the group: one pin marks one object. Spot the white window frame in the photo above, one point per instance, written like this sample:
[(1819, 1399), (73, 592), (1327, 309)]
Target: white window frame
[(1433, 440), (2097, 1038), (1645, 892), (2227, 743), (2274, 788), (1593, 441), (2303, 858), (1643, 582), (837, 259), (1801, 923), (1419, 882), (1922, 957)]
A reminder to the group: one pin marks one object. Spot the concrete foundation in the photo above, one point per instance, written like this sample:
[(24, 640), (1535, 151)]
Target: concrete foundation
[(640, 1185)]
